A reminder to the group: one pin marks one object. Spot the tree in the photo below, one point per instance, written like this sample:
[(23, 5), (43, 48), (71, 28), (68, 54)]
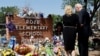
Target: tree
[(4, 10), (94, 3), (70, 2), (56, 19)]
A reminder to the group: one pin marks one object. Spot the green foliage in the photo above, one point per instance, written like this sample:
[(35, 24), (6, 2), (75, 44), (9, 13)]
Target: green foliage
[(4, 10), (69, 2), (2, 20), (13, 9), (56, 18)]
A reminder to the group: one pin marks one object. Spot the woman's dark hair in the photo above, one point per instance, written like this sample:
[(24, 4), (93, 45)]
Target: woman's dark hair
[(58, 28)]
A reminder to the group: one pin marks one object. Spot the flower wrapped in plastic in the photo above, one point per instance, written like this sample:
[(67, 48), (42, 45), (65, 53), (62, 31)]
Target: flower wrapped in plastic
[(22, 49), (7, 52), (11, 26), (29, 54)]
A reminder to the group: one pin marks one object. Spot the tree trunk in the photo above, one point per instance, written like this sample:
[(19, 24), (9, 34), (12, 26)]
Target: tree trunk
[(95, 8), (85, 4)]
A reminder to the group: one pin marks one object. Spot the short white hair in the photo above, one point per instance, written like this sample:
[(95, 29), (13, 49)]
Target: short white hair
[(78, 5)]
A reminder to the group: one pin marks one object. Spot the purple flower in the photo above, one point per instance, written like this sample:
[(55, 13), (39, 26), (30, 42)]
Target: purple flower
[(11, 26)]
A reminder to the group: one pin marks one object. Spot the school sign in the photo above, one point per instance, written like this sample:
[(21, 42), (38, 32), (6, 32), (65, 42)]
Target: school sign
[(31, 26)]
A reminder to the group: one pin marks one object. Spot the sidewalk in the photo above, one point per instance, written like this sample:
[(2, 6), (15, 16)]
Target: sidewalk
[(94, 53)]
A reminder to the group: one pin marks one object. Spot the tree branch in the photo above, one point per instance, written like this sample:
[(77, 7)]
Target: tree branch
[(98, 1), (95, 4), (95, 8), (98, 5), (85, 4)]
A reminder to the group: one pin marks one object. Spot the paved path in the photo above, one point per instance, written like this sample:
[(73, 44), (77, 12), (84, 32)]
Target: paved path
[(94, 53)]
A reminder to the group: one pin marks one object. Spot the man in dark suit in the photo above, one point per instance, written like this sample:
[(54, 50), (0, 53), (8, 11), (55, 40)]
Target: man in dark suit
[(83, 29)]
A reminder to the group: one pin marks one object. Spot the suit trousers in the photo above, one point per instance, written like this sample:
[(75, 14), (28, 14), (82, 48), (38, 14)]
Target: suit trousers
[(83, 44)]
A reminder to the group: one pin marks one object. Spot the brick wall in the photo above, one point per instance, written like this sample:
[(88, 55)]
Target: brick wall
[(43, 22)]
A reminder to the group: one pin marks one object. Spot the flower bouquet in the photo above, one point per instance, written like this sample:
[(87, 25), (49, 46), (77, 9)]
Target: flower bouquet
[(7, 52), (22, 49)]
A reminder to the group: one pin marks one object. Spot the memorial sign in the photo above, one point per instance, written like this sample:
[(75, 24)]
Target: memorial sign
[(28, 26)]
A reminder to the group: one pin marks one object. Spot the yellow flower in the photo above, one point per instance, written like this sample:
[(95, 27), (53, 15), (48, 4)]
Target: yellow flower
[(7, 52), (29, 54)]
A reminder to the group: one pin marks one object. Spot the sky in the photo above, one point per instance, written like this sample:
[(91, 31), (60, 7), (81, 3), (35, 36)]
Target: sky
[(44, 6)]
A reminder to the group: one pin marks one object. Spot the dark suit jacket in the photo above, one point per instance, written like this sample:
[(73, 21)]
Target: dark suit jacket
[(84, 18)]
